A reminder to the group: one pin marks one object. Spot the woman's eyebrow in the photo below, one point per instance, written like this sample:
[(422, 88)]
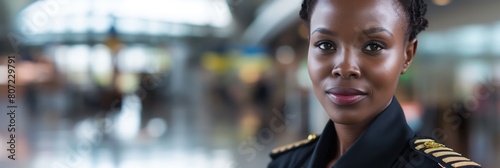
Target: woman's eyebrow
[(368, 31), (376, 30), (324, 31)]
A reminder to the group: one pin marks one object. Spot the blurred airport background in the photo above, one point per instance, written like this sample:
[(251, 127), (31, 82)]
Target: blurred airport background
[(217, 83)]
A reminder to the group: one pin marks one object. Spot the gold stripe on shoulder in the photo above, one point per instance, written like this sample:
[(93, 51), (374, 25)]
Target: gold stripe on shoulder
[(289, 146), (423, 140), (420, 146), (437, 149), (294, 145), (439, 154), (455, 158), (467, 163)]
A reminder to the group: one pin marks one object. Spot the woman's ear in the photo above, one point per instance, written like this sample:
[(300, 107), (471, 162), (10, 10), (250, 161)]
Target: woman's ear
[(411, 49)]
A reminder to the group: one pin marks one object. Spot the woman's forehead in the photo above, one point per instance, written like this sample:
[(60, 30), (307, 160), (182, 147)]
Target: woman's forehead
[(355, 14)]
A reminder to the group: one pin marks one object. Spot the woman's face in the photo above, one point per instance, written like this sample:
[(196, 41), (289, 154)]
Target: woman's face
[(357, 51)]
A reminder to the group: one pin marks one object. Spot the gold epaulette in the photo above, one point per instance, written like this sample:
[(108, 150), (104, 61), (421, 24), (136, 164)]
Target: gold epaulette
[(445, 156), (288, 147)]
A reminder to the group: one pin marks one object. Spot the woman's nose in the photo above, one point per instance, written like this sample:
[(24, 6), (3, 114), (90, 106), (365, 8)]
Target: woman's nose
[(346, 66)]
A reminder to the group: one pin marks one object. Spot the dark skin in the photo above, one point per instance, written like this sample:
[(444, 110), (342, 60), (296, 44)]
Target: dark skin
[(360, 45)]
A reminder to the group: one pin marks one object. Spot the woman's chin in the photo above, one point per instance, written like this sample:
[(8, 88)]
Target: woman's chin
[(346, 117)]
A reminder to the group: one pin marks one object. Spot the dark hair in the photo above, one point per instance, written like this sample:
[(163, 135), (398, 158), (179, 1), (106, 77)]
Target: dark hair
[(414, 10)]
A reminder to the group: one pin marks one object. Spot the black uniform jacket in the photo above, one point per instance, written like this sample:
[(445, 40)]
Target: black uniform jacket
[(387, 142)]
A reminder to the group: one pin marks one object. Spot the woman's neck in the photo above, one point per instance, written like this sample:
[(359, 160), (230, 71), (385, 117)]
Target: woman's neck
[(347, 136)]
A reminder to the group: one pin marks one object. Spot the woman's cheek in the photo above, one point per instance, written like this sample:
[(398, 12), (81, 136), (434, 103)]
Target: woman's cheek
[(386, 76), (317, 69)]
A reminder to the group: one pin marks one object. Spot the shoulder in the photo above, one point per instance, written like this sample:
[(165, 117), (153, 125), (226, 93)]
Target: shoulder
[(291, 154), (440, 154)]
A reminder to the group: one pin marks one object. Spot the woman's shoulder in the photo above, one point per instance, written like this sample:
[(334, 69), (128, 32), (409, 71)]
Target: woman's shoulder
[(287, 155), (426, 151)]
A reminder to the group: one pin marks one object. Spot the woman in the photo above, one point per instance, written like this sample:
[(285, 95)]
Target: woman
[(357, 51)]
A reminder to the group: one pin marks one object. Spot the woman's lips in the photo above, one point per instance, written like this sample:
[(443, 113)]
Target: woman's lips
[(345, 96)]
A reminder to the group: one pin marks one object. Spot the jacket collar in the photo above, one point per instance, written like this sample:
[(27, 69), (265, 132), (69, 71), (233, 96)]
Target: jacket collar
[(379, 146)]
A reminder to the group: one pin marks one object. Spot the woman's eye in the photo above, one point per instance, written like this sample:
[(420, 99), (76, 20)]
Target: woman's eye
[(374, 47), (325, 46)]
